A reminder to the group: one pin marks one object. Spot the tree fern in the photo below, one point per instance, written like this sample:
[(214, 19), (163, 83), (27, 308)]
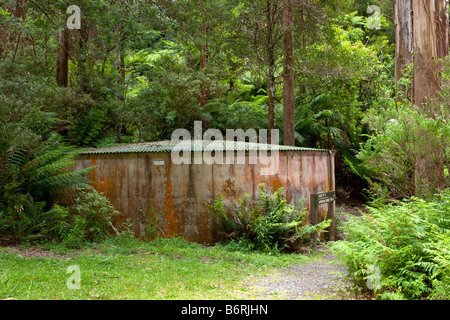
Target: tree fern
[(43, 175)]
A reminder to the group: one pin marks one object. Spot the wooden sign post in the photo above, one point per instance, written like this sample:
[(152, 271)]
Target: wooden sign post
[(315, 201)]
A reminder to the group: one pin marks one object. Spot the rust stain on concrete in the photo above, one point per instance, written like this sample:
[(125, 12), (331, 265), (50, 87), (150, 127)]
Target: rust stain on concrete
[(171, 230), (229, 188)]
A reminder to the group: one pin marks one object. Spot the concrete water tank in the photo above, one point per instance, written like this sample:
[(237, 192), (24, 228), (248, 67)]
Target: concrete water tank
[(140, 179)]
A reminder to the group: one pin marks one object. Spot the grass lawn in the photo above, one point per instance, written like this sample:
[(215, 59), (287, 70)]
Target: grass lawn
[(129, 269)]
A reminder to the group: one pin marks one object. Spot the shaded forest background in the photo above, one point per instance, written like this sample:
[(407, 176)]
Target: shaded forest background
[(138, 69)]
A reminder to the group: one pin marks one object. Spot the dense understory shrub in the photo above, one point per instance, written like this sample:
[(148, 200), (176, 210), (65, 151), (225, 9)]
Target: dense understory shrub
[(408, 147), (408, 241), (30, 221), (267, 222), (36, 182), (92, 220)]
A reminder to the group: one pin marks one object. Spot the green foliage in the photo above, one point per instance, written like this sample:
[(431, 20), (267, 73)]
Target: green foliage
[(24, 215), (401, 135), (94, 215), (32, 174), (74, 238), (244, 107), (314, 123), (153, 223), (35, 175), (266, 223), (83, 119), (408, 241), (40, 173), (162, 96)]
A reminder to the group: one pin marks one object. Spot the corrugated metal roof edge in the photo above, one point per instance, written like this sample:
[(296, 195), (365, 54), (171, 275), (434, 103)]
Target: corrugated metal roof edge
[(167, 146)]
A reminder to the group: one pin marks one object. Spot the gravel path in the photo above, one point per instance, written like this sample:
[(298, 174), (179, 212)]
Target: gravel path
[(319, 279)]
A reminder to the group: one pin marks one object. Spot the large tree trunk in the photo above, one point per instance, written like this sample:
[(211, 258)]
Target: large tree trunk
[(270, 44), (430, 44), (288, 75), (203, 49), (430, 29), (62, 70), (270, 94), (441, 18), (119, 63), (426, 75), (404, 36), (20, 10)]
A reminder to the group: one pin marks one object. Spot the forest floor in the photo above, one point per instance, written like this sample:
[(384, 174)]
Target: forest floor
[(315, 276)]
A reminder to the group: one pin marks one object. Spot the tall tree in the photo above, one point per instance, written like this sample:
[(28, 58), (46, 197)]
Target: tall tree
[(119, 64), (430, 38), (403, 32), (203, 55), (20, 10), (288, 74), (62, 68), (259, 22), (272, 11), (118, 30)]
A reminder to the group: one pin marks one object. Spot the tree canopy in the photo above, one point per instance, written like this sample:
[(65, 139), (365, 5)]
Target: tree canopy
[(135, 71)]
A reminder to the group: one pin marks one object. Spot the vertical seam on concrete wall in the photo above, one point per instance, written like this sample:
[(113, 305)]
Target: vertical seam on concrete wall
[(287, 188), (212, 184), (169, 201), (252, 172)]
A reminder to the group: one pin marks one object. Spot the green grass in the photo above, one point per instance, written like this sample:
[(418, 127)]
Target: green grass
[(127, 269)]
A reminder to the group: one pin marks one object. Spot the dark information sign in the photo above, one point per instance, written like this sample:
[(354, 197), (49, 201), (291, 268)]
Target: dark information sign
[(325, 197)]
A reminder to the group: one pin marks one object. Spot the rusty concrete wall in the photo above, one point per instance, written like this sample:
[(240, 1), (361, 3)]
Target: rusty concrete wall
[(136, 183)]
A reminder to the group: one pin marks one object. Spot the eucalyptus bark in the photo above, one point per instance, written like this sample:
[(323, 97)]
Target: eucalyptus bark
[(430, 37), (442, 28), (404, 37), (426, 77)]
